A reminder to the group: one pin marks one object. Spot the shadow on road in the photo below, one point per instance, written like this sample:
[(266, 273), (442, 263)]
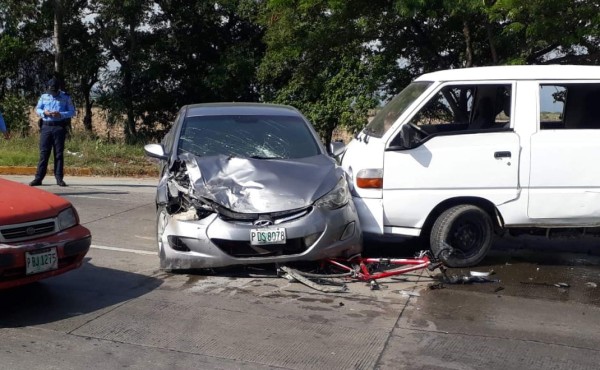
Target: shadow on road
[(75, 293), (149, 186), (76, 194), (531, 249)]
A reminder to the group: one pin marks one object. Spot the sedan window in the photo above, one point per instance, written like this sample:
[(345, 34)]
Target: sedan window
[(248, 136)]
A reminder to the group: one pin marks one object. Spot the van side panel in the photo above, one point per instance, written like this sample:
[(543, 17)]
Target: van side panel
[(565, 181), (564, 186), (446, 167)]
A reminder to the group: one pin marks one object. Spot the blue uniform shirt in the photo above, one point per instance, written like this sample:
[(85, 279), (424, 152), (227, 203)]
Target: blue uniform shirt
[(2, 124), (61, 103)]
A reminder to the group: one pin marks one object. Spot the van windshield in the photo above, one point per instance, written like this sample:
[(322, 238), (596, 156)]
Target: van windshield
[(386, 117)]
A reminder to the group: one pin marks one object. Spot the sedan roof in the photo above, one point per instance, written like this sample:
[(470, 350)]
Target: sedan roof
[(217, 109)]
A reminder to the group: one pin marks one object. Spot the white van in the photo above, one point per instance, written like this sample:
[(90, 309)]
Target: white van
[(461, 155)]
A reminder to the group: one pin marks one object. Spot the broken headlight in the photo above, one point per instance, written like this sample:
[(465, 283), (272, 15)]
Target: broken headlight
[(336, 198)]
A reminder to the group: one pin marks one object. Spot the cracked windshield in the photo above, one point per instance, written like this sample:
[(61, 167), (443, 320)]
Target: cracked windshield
[(260, 137)]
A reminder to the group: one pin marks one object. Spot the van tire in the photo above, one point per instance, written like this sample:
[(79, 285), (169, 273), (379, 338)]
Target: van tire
[(468, 230)]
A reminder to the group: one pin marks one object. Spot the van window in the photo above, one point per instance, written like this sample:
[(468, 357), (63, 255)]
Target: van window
[(466, 108), (386, 117), (569, 106)]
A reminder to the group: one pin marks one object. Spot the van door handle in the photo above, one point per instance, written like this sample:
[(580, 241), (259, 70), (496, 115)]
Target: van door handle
[(502, 155)]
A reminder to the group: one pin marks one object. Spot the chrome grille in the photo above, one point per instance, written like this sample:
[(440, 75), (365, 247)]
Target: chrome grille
[(28, 230), (249, 218)]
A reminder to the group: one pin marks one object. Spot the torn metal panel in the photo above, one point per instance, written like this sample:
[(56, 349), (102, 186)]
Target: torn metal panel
[(248, 185)]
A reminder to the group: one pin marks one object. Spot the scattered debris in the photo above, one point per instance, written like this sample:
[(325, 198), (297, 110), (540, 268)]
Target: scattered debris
[(498, 289), (590, 284), (341, 304), (542, 283), (463, 279), (295, 275), (74, 154), (407, 293), (481, 273), (436, 286), (535, 283)]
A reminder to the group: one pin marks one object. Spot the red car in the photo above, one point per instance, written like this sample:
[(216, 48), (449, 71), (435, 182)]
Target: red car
[(40, 235)]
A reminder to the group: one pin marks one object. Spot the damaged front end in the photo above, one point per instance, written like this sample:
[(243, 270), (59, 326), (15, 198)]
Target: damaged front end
[(213, 209), (179, 198)]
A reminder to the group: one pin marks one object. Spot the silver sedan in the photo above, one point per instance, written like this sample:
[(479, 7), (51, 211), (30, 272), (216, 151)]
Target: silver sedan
[(245, 183)]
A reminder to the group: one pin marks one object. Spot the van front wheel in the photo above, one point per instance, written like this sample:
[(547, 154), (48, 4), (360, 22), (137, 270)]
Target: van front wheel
[(468, 230)]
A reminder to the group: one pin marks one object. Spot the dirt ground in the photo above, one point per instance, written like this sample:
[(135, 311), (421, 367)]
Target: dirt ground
[(102, 129), (100, 124)]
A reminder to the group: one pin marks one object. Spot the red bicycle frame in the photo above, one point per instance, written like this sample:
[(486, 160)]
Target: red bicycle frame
[(359, 266)]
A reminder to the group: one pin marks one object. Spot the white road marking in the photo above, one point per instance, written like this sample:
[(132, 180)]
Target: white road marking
[(145, 237), (90, 197), (136, 251)]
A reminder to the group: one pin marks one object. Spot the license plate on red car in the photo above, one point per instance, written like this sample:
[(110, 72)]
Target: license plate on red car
[(41, 261), (267, 236)]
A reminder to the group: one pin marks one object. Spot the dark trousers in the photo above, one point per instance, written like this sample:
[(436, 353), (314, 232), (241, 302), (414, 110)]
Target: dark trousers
[(52, 138)]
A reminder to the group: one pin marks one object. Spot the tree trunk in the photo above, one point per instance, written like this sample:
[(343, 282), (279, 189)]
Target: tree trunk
[(490, 37), (130, 132), (57, 39), (87, 118), (468, 44)]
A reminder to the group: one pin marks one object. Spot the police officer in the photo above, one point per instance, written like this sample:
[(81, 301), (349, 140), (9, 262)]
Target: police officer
[(55, 108), (3, 128)]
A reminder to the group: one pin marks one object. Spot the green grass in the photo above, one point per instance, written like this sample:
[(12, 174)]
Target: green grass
[(99, 155)]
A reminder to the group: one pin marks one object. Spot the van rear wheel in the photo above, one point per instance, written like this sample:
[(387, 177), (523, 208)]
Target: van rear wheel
[(468, 230)]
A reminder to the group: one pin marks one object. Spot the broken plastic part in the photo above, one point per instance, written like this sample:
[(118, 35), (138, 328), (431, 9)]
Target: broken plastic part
[(481, 273), (462, 279), (290, 272)]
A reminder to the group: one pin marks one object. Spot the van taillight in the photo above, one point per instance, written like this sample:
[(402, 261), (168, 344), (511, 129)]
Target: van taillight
[(370, 178)]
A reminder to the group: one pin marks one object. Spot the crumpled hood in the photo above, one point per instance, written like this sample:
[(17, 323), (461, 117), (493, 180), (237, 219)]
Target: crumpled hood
[(21, 203), (249, 185)]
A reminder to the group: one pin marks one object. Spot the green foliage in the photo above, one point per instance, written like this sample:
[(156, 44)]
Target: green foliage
[(15, 110), (333, 59), (328, 78), (550, 31)]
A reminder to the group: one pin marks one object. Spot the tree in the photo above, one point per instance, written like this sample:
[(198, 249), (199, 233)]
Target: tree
[(549, 31), (328, 78), (83, 54), (188, 52), (120, 25)]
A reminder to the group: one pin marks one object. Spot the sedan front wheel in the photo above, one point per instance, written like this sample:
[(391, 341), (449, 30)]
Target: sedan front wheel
[(161, 224)]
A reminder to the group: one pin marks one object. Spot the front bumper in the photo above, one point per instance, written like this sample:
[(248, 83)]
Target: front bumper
[(71, 246), (213, 242)]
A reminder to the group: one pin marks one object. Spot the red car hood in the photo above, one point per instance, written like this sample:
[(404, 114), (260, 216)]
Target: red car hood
[(21, 203)]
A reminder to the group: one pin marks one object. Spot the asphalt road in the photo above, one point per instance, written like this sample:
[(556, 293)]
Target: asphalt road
[(120, 311)]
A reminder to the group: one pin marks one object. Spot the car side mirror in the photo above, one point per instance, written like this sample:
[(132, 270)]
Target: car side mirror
[(155, 151), (336, 148)]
